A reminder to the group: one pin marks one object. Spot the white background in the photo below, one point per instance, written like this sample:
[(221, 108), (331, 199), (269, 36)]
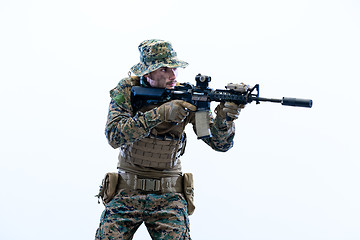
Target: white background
[(293, 173)]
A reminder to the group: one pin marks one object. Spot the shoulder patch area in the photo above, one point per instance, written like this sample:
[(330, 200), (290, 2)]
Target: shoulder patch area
[(119, 98), (121, 94)]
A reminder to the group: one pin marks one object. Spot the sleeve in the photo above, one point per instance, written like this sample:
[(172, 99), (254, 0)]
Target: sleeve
[(222, 132), (123, 126)]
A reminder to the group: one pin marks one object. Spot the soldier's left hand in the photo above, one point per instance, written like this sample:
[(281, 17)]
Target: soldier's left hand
[(232, 110)]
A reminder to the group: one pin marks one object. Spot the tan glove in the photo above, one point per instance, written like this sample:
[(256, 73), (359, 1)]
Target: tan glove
[(175, 111), (229, 109)]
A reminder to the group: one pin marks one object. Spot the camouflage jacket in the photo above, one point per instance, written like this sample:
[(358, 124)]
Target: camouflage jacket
[(124, 126)]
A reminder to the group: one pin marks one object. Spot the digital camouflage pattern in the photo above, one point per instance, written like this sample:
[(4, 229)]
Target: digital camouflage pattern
[(165, 216), (155, 54), (123, 126)]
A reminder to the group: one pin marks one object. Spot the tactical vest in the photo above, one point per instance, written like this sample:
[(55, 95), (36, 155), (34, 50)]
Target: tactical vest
[(159, 152), (154, 151)]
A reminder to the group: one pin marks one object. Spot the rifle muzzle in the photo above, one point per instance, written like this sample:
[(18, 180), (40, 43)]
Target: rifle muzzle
[(297, 102)]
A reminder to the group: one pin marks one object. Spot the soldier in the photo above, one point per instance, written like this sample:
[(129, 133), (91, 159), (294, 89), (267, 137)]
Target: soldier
[(151, 186)]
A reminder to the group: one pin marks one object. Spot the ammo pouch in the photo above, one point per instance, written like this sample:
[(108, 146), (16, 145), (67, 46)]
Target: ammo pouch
[(189, 192), (108, 187)]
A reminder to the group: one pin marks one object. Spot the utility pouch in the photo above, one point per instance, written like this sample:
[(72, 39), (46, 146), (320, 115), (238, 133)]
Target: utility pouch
[(108, 187), (189, 192)]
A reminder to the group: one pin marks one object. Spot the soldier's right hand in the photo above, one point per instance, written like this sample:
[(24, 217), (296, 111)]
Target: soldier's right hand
[(175, 111)]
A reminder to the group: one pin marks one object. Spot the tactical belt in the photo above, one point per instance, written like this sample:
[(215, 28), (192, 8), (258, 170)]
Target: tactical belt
[(163, 185)]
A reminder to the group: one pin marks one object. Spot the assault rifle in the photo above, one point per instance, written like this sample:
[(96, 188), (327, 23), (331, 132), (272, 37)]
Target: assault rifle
[(201, 96)]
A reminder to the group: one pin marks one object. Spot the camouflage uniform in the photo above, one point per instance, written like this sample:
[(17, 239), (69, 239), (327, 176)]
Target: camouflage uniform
[(165, 214)]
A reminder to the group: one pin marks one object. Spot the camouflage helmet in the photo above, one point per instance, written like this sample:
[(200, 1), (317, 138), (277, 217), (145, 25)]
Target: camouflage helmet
[(154, 54)]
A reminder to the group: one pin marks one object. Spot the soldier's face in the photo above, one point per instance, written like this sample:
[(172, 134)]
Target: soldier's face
[(162, 78)]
